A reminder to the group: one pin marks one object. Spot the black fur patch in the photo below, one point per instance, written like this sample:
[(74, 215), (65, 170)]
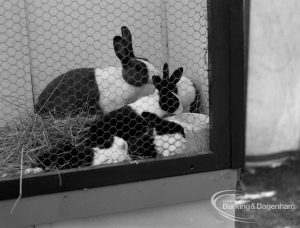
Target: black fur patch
[(196, 104), (124, 123), (163, 126), (135, 73), (69, 94), (167, 89), (142, 146), (65, 156), (168, 102)]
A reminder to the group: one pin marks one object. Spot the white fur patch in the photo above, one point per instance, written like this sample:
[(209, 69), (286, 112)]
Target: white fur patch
[(151, 70), (186, 92), (118, 152), (148, 104), (115, 92)]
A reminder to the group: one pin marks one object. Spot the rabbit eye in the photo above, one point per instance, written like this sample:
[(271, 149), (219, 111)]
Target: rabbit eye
[(138, 67), (141, 69)]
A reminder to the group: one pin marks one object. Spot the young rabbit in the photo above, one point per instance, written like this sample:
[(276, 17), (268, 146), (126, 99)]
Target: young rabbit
[(187, 92), (95, 90), (129, 123), (165, 137)]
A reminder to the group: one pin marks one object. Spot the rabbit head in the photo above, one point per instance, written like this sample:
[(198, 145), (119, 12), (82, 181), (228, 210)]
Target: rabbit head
[(136, 71), (167, 90), (164, 101)]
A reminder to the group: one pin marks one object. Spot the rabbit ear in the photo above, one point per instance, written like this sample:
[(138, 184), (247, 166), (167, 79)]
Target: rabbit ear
[(166, 71), (157, 82), (126, 35), (121, 50), (175, 77)]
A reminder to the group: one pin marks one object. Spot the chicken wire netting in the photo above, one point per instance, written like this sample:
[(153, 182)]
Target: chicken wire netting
[(85, 82)]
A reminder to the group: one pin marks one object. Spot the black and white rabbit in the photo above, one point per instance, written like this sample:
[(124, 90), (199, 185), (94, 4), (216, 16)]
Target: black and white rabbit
[(165, 137), (187, 92), (122, 128), (96, 90)]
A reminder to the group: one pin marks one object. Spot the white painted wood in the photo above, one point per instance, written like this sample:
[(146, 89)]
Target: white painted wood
[(199, 214), (114, 199)]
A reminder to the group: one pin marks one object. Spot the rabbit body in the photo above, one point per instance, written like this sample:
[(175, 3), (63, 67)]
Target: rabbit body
[(95, 90)]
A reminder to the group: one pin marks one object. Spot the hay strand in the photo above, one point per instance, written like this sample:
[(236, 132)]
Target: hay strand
[(24, 139), (20, 185)]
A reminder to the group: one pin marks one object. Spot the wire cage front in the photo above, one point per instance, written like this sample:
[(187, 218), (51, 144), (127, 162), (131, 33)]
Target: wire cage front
[(108, 87)]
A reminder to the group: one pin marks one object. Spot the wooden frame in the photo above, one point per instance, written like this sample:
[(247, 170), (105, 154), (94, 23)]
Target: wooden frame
[(227, 134), (238, 83), (32, 211)]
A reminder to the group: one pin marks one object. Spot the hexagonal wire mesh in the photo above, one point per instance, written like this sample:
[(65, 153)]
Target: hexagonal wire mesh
[(88, 67)]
